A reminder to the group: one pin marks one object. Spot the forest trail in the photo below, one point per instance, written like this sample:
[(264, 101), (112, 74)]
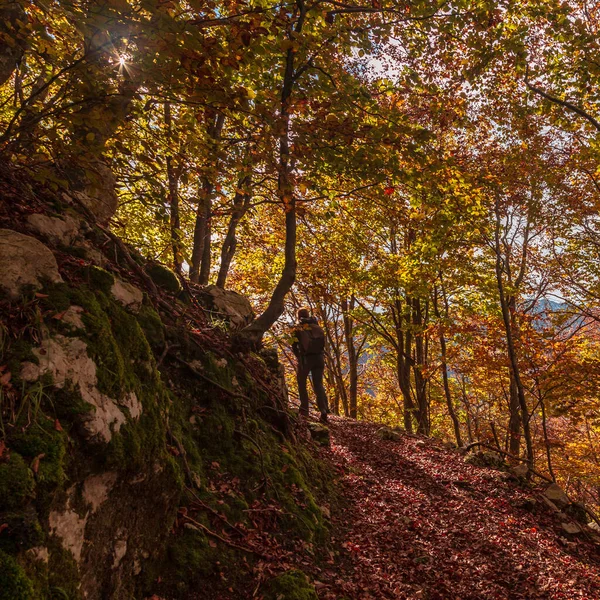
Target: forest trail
[(420, 523)]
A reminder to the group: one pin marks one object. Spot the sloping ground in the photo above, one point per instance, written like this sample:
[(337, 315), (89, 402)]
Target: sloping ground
[(420, 523)]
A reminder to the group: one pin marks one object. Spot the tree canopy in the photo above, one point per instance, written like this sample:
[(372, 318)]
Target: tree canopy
[(423, 174)]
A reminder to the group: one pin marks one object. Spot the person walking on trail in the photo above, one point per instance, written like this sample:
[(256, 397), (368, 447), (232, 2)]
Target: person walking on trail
[(309, 348)]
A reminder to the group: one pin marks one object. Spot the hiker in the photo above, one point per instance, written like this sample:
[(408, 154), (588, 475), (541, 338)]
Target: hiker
[(309, 348)]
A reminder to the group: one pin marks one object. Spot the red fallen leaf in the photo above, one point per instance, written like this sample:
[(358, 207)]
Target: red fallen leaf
[(212, 544), (215, 465), (38, 295), (174, 451), (388, 191), (5, 379), (3, 526), (57, 425), (3, 448), (284, 468), (35, 463), (60, 315)]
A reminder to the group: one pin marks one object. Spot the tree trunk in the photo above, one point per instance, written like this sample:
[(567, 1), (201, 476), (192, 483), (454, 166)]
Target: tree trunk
[(512, 354), (352, 356), (173, 184), (201, 249), (241, 204), (403, 352), (514, 423), (418, 366), (255, 331)]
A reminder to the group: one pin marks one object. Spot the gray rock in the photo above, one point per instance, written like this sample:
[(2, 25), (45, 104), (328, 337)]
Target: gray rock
[(557, 495), (25, 262), (491, 460), (520, 471), (229, 304), (127, 295), (550, 504), (67, 361), (319, 433), (385, 433), (55, 230), (571, 528)]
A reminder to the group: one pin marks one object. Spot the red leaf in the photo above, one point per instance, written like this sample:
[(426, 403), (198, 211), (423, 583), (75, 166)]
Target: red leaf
[(388, 191), (57, 425)]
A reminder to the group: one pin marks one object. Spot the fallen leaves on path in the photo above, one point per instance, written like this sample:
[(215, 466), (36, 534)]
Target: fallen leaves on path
[(420, 523)]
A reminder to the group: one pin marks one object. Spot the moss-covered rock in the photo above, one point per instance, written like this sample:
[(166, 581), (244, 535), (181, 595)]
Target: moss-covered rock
[(100, 279), (14, 583), (16, 482), (292, 585), (164, 277)]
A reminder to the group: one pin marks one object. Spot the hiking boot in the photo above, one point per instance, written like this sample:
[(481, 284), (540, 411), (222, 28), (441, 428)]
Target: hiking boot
[(323, 418)]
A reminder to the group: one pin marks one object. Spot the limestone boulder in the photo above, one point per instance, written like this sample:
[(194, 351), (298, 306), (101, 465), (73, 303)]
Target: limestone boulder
[(385, 433), (57, 231), (491, 460), (227, 304), (26, 263), (319, 433), (67, 361), (520, 471), (557, 495), (128, 295)]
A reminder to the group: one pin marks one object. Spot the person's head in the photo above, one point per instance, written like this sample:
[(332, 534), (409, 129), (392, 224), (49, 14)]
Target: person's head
[(303, 313)]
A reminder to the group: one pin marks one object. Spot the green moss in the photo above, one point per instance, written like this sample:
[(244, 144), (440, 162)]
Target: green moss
[(23, 530), (41, 439), (16, 482), (63, 574), (152, 326), (59, 297), (100, 279), (192, 554), (14, 583), (163, 277), (292, 585)]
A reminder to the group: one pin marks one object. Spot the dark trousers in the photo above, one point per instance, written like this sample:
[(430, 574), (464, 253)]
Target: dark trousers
[(314, 365)]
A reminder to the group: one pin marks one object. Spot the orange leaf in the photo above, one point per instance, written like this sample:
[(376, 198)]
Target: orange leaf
[(35, 464)]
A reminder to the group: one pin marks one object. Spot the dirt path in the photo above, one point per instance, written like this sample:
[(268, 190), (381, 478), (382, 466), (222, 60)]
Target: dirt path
[(420, 523)]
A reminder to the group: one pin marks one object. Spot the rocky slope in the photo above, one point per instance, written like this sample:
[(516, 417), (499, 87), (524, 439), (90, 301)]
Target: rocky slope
[(141, 455)]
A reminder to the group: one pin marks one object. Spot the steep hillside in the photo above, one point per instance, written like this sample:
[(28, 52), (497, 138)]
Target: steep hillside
[(140, 454)]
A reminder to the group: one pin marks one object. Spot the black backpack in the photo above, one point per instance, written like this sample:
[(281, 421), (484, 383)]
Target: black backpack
[(311, 339)]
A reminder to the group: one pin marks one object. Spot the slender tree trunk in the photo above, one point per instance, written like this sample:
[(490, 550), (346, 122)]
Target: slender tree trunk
[(444, 367), (465, 400), (352, 356), (546, 440), (418, 366), (403, 348), (201, 249), (514, 423), (173, 183), (512, 354), (241, 204), (255, 331)]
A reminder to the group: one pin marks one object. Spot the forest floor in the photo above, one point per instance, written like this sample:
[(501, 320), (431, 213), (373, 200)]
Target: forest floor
[(419, 522)]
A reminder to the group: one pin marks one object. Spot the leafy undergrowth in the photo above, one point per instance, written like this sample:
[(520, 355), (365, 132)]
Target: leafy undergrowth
[(420, 523)]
